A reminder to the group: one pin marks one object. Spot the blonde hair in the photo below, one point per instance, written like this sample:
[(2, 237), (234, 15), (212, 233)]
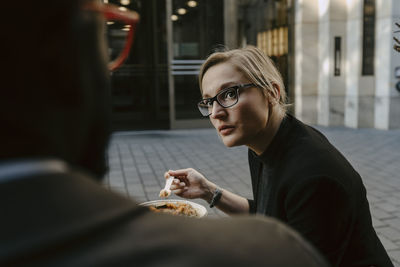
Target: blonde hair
[(256, 66)]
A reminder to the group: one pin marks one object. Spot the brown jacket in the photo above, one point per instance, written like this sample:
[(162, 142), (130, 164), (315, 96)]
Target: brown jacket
[(69, 219)]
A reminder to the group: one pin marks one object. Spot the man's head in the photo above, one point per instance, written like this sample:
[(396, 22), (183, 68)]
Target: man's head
[(54, 100)]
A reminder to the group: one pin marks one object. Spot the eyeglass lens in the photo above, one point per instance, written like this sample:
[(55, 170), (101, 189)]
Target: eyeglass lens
[(225, 98)]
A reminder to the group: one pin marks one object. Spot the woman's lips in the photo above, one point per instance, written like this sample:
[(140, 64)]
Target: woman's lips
[(225, 130)]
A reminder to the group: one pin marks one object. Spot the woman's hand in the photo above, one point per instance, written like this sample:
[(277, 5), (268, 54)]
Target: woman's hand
[(189, 183)]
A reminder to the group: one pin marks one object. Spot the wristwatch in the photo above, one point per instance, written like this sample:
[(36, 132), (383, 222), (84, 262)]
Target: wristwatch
[(216, 197)]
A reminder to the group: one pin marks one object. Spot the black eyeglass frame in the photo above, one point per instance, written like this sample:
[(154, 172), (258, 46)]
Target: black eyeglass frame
[(211, 100)]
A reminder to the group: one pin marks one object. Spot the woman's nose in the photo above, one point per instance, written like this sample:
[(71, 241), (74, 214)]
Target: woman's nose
[(217, 110)]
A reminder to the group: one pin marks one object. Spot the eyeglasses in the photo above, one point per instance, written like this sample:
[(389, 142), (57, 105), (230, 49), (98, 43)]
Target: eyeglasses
[(114, 13), (226, 98)]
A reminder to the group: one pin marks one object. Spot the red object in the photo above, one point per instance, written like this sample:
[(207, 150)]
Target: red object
[(112, 12)]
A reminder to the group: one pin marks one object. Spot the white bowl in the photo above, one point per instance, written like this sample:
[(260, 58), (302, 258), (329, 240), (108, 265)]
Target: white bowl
[(200, 209)]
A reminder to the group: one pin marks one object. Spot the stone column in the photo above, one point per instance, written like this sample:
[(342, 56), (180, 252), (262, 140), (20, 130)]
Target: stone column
[(331, 87), (231, 23), (387, 100), (353, 61), (306, 60), (360, 90)]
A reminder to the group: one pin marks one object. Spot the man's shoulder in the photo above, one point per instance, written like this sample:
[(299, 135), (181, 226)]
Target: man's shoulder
[(84, 224), (246, 240)]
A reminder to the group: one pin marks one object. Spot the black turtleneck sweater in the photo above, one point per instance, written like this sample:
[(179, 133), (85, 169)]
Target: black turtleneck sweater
[(304, 181)]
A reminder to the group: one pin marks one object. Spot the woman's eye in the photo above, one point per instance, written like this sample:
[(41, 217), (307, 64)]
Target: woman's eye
[(229, 94), (208, 103)]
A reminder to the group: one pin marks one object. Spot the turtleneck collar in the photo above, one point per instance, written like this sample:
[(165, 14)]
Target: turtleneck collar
[(278, 143)]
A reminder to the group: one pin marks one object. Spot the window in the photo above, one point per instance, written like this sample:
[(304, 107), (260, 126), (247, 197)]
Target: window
[(368, 38), (337, 55)]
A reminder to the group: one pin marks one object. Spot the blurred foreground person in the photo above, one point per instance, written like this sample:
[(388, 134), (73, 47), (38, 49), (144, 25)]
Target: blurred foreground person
[(55, 129)]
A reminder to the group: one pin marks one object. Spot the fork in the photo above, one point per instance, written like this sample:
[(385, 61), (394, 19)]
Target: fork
[(166, 192)]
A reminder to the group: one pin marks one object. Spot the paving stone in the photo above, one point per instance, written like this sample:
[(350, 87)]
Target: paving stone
[(377, 193), (390, 233), (378, 223), (373, 199), (119, 184), (389, 245), (395, 257), (395, 222), (395, 200), (381, 214), (131, 175)]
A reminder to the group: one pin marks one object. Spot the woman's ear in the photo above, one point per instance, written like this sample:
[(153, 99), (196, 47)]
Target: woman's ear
[(277, 90), (274, 94)]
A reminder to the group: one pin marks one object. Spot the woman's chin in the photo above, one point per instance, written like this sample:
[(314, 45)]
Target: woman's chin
[(229, 141)]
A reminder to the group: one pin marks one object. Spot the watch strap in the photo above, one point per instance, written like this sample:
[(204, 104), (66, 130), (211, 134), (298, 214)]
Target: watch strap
[(216, 197)]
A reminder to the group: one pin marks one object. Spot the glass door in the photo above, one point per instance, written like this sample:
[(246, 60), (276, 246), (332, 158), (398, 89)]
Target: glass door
[(195, 29), (139, 88)]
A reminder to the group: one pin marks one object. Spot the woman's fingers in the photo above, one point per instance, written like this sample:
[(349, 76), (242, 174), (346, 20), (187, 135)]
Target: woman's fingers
[(180, 192), (181, 172), (176, 185), (179, 179), (178, 182), (182, 184), (177, 191)]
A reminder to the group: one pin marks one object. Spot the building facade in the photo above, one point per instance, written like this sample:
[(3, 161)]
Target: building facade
[(336, 58), (345, 64)]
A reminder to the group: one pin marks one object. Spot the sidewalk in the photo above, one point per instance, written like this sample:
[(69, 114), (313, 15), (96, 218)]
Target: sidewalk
[(139, 159)]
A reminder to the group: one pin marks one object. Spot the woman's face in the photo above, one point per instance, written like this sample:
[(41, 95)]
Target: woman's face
[(245, 123)]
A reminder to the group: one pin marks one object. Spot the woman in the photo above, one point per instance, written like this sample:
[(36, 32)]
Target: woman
[(297, 175)]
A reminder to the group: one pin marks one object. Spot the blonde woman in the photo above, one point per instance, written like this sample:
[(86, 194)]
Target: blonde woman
[(297, 175)]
